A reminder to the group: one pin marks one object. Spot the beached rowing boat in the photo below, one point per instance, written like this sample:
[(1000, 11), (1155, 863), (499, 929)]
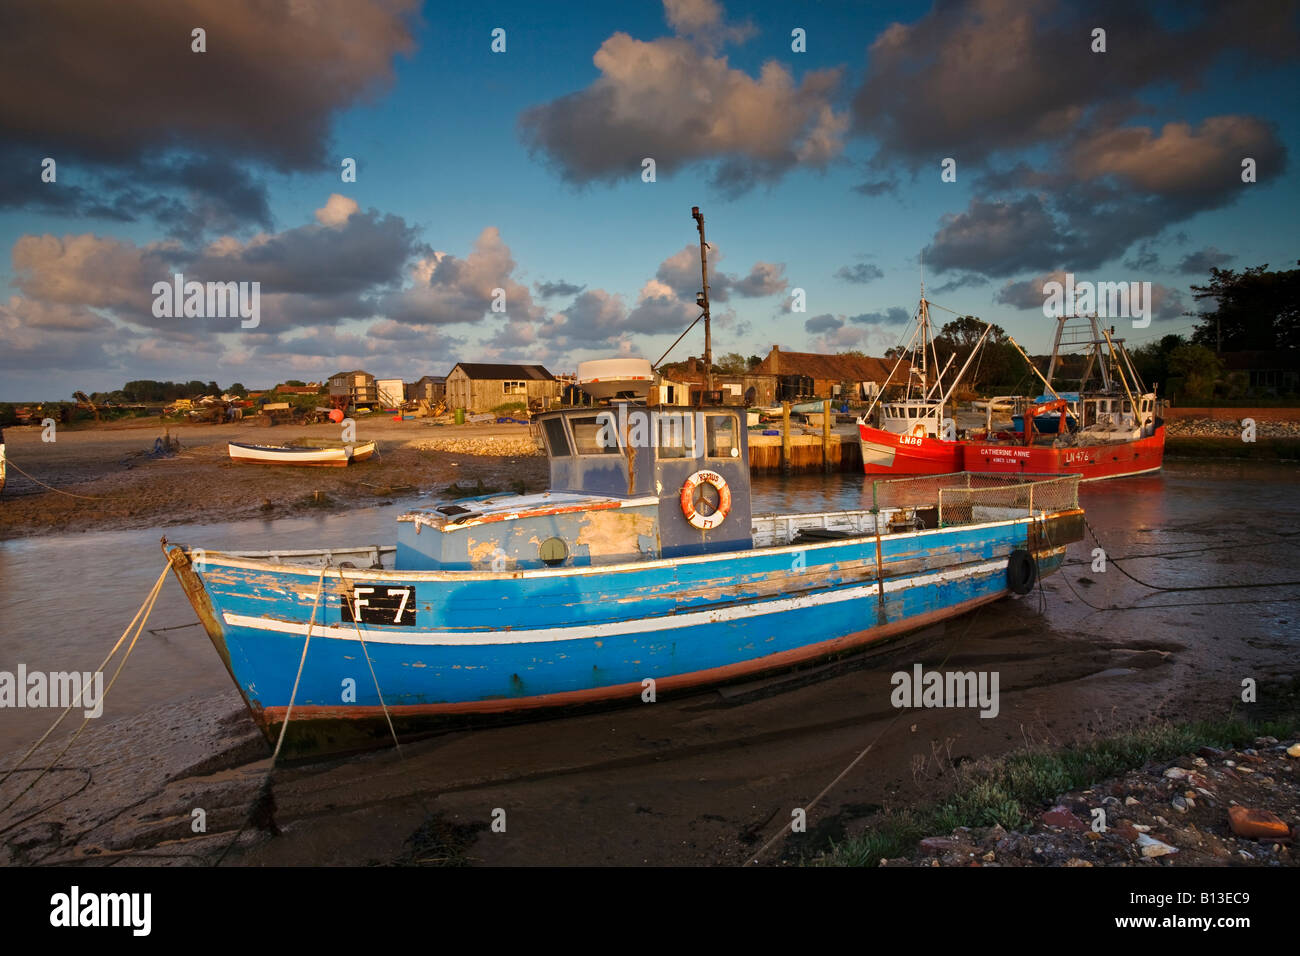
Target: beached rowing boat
[(641, 571), (332, 456)]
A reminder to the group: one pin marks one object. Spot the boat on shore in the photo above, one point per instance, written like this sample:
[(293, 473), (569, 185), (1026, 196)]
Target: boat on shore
[(328, 456), (641, 571)]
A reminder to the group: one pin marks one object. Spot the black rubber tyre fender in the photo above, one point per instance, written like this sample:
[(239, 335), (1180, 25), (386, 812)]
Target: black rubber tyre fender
[(1022, 571)]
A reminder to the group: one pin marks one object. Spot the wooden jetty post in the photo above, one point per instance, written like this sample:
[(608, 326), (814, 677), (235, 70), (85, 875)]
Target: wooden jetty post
[(826, 436), (786, 450)]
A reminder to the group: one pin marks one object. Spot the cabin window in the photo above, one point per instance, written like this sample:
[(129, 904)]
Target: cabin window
[(721, 431), (595, 436), (556, 440), (514, 388), (1128, 406), (676, 438)]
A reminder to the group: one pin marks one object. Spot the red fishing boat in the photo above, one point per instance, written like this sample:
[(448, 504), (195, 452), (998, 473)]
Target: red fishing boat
[(1112, 431), (912, 436)]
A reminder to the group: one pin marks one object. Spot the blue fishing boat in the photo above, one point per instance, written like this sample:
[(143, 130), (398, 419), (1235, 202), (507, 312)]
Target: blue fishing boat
[(642, 568)]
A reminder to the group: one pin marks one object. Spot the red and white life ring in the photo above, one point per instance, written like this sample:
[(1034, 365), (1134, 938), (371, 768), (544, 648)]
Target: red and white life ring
[(918, 430), (697, 520)]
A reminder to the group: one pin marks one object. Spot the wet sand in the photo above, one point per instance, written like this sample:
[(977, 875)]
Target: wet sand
[(123, 487)]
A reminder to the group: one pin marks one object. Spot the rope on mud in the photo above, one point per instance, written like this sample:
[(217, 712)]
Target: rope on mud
[(142, 616), (311, 625), (1198, 587), (364, 650), (9, 463), (264, 791), (858, 759), (49, 806)]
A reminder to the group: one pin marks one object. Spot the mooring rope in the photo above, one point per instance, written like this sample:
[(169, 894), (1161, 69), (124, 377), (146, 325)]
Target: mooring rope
[(754, 857), (364, 650), (1197, 587), (311, 625), (145, 609), (9, 463)]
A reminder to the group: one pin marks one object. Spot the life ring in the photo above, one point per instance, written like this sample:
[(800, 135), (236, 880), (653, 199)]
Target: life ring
[(918, 431), (697, 520), (1022, 571)]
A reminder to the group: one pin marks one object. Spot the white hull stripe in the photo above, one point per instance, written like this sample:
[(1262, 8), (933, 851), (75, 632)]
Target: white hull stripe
[(674, 622)]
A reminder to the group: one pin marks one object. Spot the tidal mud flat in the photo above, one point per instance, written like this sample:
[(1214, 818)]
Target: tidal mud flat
[(118, 484), (706, 778)]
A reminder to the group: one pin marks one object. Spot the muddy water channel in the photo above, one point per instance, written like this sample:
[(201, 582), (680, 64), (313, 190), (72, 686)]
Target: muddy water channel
[(705, 778)]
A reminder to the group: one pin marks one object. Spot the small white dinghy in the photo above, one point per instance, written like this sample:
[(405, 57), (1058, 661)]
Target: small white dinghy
[(335, 456)]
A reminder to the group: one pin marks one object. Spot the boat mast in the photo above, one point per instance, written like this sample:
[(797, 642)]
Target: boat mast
[(1033, 367), (926, 341), (1123, 379), (704, 301)]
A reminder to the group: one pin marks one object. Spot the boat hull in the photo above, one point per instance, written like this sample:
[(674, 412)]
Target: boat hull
[(488, 646), (1092, 462), (303, 457), (888, 453)]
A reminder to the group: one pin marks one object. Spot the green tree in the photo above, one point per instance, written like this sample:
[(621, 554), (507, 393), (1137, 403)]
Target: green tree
[(1254, 310), (1152, 360), (238, 389), (1198, 367), (959, 338), (733, 363)]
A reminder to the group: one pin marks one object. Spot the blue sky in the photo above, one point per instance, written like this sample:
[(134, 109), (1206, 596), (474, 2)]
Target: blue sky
[(480, 170)]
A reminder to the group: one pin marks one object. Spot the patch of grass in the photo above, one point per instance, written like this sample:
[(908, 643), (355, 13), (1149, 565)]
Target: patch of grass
[(1010, 790), (439, 842)]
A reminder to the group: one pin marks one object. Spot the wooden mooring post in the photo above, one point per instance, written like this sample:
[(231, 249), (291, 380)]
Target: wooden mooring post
[(785, 438), (826, 436)]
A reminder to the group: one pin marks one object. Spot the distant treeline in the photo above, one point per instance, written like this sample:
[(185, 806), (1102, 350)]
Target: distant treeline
[(147, 390)]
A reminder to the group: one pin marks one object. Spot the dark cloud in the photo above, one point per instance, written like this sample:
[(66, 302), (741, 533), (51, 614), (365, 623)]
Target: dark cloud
[(876, 187), (141, 126), (1145, 258), (560, 288), (1203, 260), (970, 279), (822, 323), (997, 238), (862, 272), (970, 79), (891, 316), (595, 316), (978, 80), (1027, 294)]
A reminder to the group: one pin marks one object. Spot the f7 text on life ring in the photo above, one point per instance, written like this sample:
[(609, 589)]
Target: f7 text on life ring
[(689, 510)]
